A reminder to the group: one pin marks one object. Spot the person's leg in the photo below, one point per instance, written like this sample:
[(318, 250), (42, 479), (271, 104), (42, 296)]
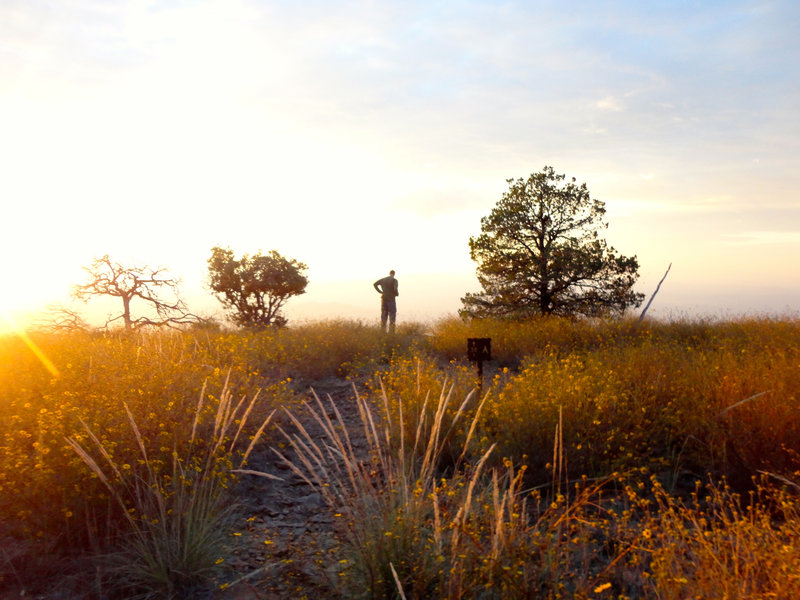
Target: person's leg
[(384, 314), (392, 315)]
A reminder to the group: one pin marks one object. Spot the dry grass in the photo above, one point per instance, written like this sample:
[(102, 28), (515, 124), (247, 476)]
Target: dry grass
[(718, 544), (415, 527), (175, 519), (540, 488), (685, 398)]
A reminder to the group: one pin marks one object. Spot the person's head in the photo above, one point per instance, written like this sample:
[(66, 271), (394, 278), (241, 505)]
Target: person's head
[(391, 272)]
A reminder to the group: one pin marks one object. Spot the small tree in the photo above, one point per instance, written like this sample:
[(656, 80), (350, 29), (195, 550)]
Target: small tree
[(150, 285), (255, 288), (539, 253)]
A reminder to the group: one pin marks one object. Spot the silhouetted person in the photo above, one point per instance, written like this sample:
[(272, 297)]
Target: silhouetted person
[(388, 289)]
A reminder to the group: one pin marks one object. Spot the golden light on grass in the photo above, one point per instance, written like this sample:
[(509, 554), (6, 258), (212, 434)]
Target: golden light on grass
[(543, 484), (22, 334)]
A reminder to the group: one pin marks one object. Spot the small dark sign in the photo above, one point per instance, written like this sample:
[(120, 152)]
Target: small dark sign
[(479, 349)]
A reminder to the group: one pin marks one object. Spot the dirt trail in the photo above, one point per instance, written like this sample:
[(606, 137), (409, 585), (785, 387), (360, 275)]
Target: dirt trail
[(287, 530)]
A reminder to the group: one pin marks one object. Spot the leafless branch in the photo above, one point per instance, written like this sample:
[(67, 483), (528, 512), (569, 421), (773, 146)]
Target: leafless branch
[(61, 318), (108, 278), (658, 287)]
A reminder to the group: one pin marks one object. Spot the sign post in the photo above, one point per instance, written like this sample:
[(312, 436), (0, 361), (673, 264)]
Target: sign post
[(479, 350)]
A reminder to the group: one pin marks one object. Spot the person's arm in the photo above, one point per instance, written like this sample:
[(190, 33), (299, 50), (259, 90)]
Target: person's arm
[(396, 287), (376, 284)]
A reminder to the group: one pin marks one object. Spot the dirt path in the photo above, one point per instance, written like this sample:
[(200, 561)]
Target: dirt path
[(286, 536)]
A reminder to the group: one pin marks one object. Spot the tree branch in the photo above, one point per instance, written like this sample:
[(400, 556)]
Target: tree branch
[(658, 287)]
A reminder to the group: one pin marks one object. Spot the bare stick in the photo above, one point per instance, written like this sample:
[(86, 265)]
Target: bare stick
[(397, 582), (658, 287)]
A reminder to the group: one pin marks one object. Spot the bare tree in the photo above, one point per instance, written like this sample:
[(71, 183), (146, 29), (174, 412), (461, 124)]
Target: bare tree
[(60, 318), (151, 285)]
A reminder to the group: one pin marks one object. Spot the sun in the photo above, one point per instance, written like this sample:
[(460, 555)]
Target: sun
[(15, 314), (30, 301), (43, 358), (8, 321), (35, 285)]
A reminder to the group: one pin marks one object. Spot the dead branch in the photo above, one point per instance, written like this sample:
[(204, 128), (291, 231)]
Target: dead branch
[(658, 287)]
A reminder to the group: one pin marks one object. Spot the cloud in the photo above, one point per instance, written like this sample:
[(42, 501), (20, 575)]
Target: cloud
[(609, 103)]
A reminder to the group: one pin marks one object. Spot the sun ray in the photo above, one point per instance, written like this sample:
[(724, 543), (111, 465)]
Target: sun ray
[(23, 335)]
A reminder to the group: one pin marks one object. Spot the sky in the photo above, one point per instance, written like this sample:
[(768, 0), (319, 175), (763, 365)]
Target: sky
[(359, 137)]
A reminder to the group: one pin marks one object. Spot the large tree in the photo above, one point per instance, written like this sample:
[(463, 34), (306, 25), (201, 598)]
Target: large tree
[(152, 287), (255, 288), (539, 253)]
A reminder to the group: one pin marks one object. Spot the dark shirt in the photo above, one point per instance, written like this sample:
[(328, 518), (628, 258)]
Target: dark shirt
[(388, 287)]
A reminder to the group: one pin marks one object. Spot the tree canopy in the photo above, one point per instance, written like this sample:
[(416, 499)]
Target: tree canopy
[(540, 253), (255, 288)]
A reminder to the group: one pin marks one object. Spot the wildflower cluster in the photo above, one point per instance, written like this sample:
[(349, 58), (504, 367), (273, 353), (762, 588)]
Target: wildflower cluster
[(691, 398)]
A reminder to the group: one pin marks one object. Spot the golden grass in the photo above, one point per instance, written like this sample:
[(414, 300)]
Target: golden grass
[(415, 526), (718, 544), (176, 517), (682, 397), (539, 488)]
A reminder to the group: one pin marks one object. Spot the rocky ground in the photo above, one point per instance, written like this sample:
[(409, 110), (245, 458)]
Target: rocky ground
[(285, 545)]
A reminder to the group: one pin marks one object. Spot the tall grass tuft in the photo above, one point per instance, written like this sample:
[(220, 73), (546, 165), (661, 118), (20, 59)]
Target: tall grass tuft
[(390, 500), (176, 516), (415, 528)]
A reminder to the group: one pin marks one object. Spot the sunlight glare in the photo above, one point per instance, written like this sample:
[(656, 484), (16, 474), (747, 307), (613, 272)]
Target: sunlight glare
[(22, 334)]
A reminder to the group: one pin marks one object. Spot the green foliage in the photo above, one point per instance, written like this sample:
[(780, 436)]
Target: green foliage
[(255, 288), (539, 253)]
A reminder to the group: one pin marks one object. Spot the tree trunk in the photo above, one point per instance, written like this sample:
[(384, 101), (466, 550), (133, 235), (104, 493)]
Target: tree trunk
[(126, 312)]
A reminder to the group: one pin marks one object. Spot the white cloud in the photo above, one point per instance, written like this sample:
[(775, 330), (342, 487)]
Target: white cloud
[(609, 103)]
